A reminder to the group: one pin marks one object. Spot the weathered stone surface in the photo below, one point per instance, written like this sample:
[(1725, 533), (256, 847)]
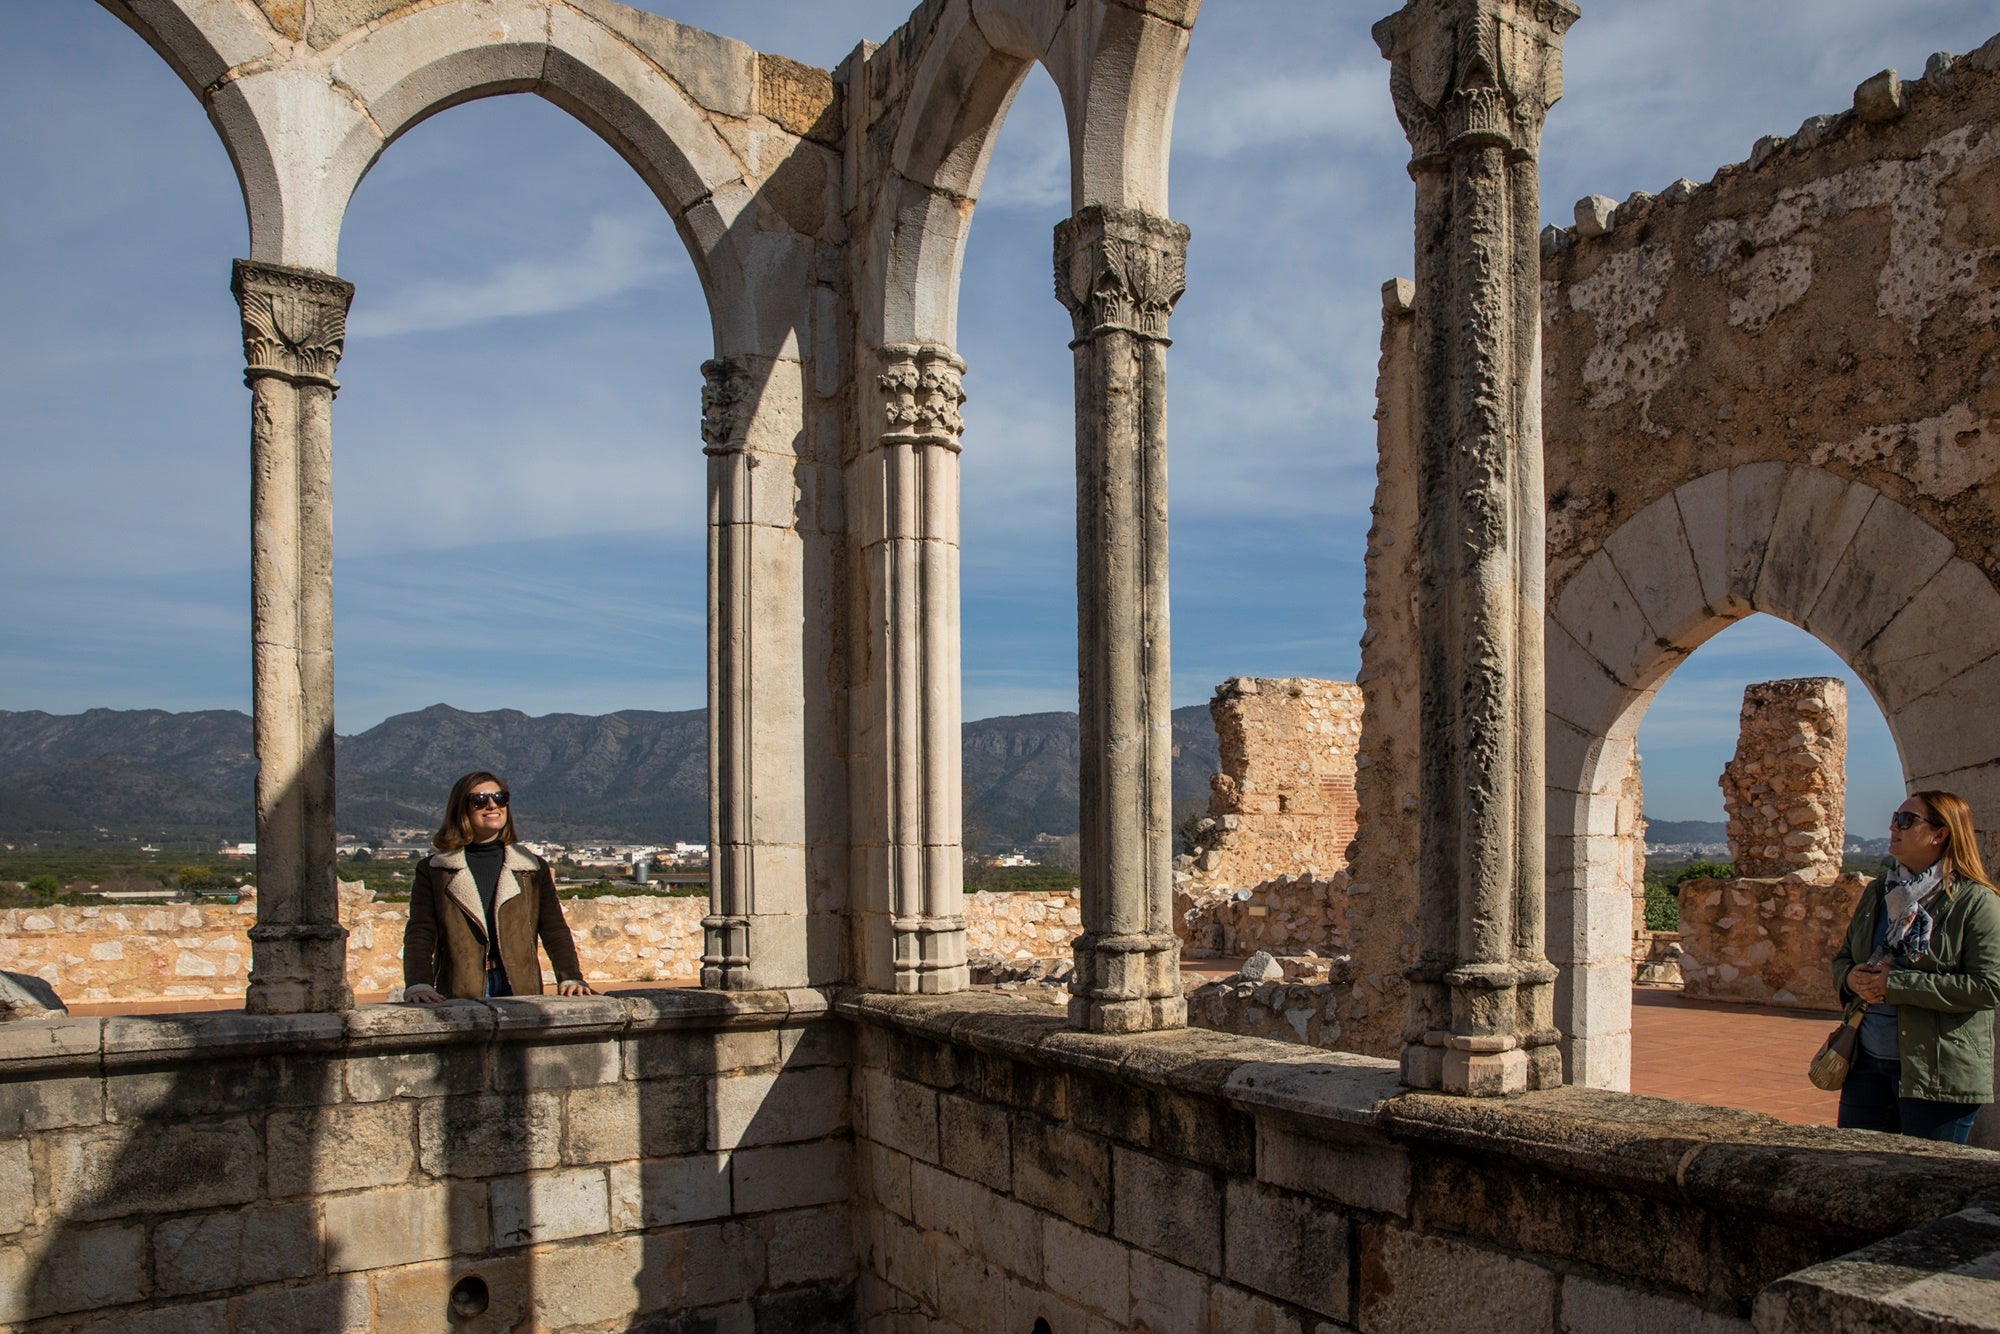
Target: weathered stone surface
[(321, 1149), (1942, 1276), (669, 1191), (1412, 1284), (1285, 1246), (17, 1186), (790, 1176), (114, 1171), (1881, 98), (1172, 1210), (1765, 942), (1060, 1171), (1595, 215), (489, 1135), (552, 1206), (23, 996), (230, 1252), (1785, 791), (378, 1229)]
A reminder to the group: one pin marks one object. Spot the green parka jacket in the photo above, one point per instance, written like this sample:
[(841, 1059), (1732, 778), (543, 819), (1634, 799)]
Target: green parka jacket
[(1945, 1000)]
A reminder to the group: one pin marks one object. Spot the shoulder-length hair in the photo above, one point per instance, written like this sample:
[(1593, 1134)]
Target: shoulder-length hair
[(1961, 846), (456, 830)]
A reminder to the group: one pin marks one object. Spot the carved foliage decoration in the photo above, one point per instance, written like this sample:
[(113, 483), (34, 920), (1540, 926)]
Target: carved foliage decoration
[(722, 395), (294, 321), (1476, 73), (1120, 269), (923, 388)]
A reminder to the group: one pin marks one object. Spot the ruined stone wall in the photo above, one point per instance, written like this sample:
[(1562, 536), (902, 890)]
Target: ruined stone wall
[(1785, 792), (1200, 1181), (593, 1162), (1765, 941), (1268, 870), (201, 952)]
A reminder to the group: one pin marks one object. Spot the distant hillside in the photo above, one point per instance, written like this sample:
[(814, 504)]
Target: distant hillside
[(635, 775), (1661, 832)]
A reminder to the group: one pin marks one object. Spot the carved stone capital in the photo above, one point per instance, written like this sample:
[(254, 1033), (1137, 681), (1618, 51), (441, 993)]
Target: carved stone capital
[(1119, 269), (294, 321), (1474, 73), (923, 388), (724, 390)]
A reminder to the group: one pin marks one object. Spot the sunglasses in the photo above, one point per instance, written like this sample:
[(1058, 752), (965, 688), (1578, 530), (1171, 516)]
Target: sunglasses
[(1899, 820), (479, 801)]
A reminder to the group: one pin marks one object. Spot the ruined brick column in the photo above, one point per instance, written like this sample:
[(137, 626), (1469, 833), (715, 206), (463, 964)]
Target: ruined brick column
[(1785, 792), (294, 328), (1120, 271), (1473, 80), (907, 822)]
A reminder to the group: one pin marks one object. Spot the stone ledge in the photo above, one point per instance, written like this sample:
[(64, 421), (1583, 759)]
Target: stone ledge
[(1839, 1183), (1943, 1276), (89, 1046)]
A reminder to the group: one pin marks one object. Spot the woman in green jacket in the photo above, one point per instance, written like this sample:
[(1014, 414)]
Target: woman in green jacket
[(1925, 1062)]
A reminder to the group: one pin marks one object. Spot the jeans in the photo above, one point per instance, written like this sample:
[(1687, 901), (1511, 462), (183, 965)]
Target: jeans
[(1869, 1101)]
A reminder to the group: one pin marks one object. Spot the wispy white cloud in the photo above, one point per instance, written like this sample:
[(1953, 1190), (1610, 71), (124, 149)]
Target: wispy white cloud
[(1260, 109), (617, 254)]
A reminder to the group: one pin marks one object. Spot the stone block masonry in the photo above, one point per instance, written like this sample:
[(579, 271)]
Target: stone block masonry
[(1199, 1182), (578, 1162), (1785, 792)]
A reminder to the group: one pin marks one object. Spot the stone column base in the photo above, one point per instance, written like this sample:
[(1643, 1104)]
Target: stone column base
[(725, 954), (298, 969), (1127, 984), (930, 956)]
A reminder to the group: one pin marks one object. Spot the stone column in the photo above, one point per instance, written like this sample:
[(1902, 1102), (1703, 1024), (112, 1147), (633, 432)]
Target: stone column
[(1472, 81), (907, 782), (725, 955), (1120, 271), (294, 327)]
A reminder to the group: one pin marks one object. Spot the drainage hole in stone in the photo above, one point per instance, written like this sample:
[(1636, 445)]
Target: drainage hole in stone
[(1041, 1326), (469, 1297)]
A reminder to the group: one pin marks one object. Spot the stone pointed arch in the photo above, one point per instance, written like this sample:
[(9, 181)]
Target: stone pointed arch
[(1117, 70), (1875, 583)]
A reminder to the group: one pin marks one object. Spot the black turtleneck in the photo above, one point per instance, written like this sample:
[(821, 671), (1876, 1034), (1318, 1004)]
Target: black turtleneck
[(484, 860)]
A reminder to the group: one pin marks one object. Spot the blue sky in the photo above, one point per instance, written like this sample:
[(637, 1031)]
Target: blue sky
[(518, 469)]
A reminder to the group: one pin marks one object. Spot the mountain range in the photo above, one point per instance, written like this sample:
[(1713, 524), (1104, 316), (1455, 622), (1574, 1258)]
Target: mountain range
[(631, 776)]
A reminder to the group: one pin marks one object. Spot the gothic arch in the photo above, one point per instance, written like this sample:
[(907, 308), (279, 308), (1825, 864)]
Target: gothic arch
[(1117, 71), (1863, 574)]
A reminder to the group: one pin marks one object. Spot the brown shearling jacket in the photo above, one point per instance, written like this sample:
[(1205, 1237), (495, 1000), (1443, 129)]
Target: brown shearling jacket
[(444, 945)]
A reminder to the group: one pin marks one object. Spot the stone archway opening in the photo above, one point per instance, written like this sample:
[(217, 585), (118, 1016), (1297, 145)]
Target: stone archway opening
[(520, 494)]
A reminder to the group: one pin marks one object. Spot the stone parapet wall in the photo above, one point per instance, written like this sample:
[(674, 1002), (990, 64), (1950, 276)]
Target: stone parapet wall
[(1785, 791), (1765, 942), (201, 952), (593, 1163), (1198, 1181)]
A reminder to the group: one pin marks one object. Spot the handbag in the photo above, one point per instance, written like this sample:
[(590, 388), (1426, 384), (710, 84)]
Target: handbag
[(1835, 1056)]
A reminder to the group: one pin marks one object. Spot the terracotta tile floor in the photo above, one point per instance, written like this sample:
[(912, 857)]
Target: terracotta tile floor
[(1740, 1056)]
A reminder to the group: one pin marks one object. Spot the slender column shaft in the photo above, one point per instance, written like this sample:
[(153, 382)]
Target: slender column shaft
[(294, 328), (1120, 272), (725, 958), (1473, 80), (906, 793)]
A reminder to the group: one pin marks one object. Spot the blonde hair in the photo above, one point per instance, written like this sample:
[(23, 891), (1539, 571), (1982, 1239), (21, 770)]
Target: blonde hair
[(1961, 847), (456, 829)]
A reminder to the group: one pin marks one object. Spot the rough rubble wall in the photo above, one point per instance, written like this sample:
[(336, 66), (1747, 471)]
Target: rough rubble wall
[(1832, 302), (1382, 879), (1785, 792), (195, 952), (1765, 942), (1269, 869)]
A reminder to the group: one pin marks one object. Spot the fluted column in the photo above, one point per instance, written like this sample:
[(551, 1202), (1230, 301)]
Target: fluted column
[(1472, 81), (906, 789), (1120, 271), (294, 327)]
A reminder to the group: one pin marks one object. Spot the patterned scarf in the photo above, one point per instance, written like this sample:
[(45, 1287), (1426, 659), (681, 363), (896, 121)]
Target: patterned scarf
[(1907, 899)]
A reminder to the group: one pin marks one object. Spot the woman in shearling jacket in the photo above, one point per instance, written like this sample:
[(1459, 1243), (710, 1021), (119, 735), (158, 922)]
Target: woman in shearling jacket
[(1925, 1061), (478, 907)]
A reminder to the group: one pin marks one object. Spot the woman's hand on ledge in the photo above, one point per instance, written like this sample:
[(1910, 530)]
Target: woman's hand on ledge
[(419, 994), (575, 989)]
